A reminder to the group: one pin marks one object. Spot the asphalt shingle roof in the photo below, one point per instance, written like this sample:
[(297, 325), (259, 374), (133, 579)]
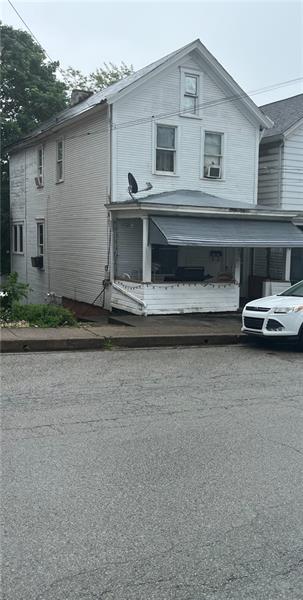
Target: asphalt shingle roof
[(284, 113)]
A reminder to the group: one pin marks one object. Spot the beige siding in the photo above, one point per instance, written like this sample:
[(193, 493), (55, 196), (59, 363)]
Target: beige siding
[(133, 142), (74, 212), (292, 173)]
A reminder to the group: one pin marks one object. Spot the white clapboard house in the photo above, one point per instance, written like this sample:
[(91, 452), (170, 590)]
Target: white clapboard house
[(281, 173), (183, 242)]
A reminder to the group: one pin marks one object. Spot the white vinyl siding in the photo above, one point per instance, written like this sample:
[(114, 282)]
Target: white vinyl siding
[(292, 172), (161, 96), (269, 174), (76, 233)]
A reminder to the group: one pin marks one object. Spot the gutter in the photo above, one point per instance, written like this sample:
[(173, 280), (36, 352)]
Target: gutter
[(145, 209)]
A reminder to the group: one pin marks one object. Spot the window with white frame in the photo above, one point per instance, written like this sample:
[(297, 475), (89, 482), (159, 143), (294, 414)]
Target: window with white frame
[(191, 93), (17, 238), (213, 155), (40, 158), (59, 161), (40, 238), (166, 149)]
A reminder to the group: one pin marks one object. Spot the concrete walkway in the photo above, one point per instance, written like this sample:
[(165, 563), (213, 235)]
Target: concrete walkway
[(128, 331)]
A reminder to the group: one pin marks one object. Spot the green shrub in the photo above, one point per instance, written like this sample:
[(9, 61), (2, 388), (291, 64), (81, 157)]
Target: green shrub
[(12, 291), (43, 315)]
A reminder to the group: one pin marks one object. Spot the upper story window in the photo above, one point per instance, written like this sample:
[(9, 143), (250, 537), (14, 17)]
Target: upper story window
[(166, 149), (40, 165), (213, 155), (18, 238), (190, 93), (59, 161)]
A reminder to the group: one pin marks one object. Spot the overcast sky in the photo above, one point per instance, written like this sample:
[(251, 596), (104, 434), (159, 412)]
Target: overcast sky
[(260, 43)]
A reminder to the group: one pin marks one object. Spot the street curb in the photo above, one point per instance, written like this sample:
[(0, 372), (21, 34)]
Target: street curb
[(112, 342)]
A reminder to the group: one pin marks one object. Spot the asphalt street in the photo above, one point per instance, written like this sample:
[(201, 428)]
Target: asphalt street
[(163, 474)]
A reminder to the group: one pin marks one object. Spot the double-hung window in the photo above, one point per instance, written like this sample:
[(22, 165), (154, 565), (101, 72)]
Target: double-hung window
[(166, 149), (213, 155), (190, 100), (40, 238), (40, 169), (59, 161), (18, 238)]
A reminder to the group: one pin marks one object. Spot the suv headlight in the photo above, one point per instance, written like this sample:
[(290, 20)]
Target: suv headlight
[(283, 310)]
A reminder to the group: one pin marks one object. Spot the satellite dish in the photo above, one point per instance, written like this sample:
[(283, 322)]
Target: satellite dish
[(133, 186)]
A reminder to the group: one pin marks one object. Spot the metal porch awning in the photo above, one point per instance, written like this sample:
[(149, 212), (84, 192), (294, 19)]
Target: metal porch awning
[(233, 233)]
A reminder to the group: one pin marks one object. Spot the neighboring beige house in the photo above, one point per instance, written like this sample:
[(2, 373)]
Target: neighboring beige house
[(190, 136)]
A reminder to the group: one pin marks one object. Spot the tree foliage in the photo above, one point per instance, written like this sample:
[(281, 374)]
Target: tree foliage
[(29, 93), (101, 78)]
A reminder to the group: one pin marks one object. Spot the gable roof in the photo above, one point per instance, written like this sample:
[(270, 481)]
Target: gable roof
[(284, 113), (111, 93)]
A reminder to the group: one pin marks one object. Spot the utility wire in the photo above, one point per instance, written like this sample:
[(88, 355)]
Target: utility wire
[(30, 31), (179, 112), (208, 104)]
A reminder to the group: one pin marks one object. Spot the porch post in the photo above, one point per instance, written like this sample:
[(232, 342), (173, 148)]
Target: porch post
[(287, 264), (238, 265), (146, 251)]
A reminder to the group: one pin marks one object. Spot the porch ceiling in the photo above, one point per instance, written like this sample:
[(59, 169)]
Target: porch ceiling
[(236, 233)]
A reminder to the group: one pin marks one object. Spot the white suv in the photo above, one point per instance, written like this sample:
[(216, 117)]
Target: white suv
[(276, 316)]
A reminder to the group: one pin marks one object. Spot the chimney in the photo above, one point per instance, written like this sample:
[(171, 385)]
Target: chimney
[(79, 95)]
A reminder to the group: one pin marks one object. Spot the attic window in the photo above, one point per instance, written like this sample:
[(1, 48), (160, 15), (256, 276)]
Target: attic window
[(190, 93)]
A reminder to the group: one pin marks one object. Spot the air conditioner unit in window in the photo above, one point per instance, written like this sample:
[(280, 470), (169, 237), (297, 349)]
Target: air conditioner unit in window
[(37, 262), (214, 171), (39, 181)]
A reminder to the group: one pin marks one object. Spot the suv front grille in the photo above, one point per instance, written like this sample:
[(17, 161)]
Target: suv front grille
[(253, 323), (257, 308)]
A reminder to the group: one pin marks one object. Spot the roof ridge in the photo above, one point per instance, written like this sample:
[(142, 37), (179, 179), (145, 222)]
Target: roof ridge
[(281, 100)]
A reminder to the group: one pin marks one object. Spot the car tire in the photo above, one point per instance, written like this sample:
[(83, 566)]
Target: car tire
[(300, 342)]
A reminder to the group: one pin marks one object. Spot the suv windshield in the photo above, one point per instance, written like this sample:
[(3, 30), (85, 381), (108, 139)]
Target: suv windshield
[(295, 290)]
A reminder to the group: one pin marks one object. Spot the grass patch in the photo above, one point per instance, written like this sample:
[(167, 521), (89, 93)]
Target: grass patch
[(108, 344), (43, 315)]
